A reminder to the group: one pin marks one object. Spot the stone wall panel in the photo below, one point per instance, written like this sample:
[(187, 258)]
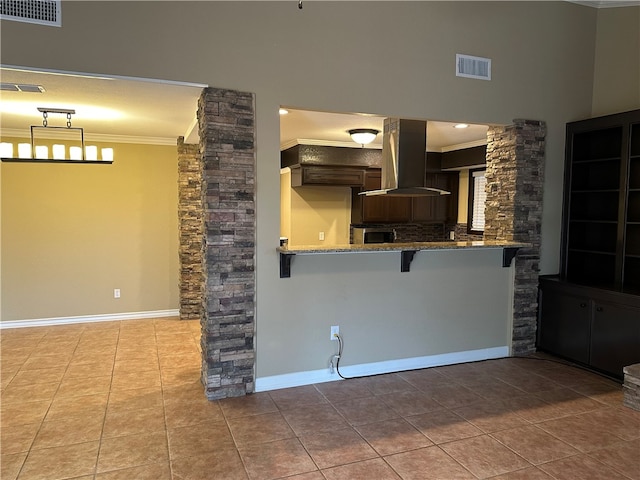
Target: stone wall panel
[(515, 174), (226, 120)]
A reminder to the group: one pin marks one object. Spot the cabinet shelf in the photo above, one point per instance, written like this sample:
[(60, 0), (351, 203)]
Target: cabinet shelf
[(581, 220), (592, 252), (589, 220), (597, 190), (595, 159)]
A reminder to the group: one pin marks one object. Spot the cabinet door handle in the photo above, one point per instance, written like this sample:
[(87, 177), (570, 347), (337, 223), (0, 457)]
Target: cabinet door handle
[(599, 309), (583, 304)]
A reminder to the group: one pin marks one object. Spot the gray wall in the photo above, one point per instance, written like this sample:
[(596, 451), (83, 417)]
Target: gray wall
[(388, 58)]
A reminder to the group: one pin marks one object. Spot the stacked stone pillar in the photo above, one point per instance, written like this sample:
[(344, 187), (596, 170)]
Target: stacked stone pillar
[(226, 125), (190, 229), (515, 174)]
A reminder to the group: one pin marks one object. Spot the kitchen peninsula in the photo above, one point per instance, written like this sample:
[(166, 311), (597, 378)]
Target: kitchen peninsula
[(407, 251)]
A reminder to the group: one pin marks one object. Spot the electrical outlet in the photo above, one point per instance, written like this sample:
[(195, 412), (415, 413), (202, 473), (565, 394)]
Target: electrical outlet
[(452, 235), (335, 330), (321, 236), (116, 293)]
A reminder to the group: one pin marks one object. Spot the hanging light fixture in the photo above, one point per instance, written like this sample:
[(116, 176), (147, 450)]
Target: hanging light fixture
[(30, 152), (363, 136)]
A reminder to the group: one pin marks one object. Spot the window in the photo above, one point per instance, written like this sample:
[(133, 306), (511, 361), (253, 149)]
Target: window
[(477, 199)]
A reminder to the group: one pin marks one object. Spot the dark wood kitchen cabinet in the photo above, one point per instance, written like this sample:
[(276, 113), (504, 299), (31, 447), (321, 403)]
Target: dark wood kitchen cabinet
[(599, 280), (381, 209), (302, 175), (594, 327), (438, 209), (567, 324), (378, 209), (615, 336)]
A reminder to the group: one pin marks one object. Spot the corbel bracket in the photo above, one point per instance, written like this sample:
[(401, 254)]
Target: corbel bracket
[(406, 257)]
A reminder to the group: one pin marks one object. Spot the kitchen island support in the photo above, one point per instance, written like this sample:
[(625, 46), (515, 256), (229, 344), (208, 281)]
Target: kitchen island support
[(407, 251)]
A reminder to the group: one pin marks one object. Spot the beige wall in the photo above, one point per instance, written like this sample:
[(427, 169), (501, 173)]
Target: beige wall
[(543, 68), (307, 211), (285, 203), (463, 196), (73, 233), (616, 86)]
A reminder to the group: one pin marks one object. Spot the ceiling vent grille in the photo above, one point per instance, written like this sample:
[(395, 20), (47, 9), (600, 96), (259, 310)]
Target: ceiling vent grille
[(21, 87), (473, 67), (43, 12)]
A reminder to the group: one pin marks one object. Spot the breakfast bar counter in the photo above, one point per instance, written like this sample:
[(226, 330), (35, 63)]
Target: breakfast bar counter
[(407, 250)]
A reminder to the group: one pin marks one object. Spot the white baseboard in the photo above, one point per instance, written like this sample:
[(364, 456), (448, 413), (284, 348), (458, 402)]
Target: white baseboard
[(320, 376), (109, 317)]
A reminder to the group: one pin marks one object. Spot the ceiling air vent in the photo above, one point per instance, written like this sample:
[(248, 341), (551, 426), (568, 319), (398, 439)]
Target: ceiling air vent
[(43, 12), (21, 87), (9, 87), (473, 67)]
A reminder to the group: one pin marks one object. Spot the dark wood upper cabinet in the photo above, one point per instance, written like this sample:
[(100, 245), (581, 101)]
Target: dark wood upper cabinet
[(360, 168), (328, 176), (378, 209), (442, 208), (381, 209)]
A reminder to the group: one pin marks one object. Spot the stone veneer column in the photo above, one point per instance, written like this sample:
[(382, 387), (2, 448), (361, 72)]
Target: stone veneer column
[(515, 172), (190, 228), (227, 133)]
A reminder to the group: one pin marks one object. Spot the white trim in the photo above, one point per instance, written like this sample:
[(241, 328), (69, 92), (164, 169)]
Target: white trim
[(109, 317), (462, 146), (325, 143), (52, 71), (333, 143), (320, 376)]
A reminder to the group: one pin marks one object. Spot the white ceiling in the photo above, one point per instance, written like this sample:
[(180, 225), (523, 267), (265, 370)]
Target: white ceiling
[(310, 127), (152, 111), (108, 108)]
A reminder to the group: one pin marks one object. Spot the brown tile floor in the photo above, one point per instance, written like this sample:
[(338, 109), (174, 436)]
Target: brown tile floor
[(122, 400)]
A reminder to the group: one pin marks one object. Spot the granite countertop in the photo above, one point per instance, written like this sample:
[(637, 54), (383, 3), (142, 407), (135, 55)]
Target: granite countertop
[(398, 247)]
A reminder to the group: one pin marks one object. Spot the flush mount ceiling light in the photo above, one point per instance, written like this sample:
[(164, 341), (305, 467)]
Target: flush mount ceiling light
[(78, 153), (461, 125), (363, 136), (283, 111)]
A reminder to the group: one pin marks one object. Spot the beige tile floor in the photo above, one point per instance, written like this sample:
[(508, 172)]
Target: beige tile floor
[(122, 400)]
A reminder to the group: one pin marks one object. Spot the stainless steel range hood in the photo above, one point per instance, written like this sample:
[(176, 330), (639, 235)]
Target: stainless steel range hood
[(404, 163)]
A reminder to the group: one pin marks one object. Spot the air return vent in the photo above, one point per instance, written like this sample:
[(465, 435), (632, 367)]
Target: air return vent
[(43, 12), (473, 67), (21, 87)]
